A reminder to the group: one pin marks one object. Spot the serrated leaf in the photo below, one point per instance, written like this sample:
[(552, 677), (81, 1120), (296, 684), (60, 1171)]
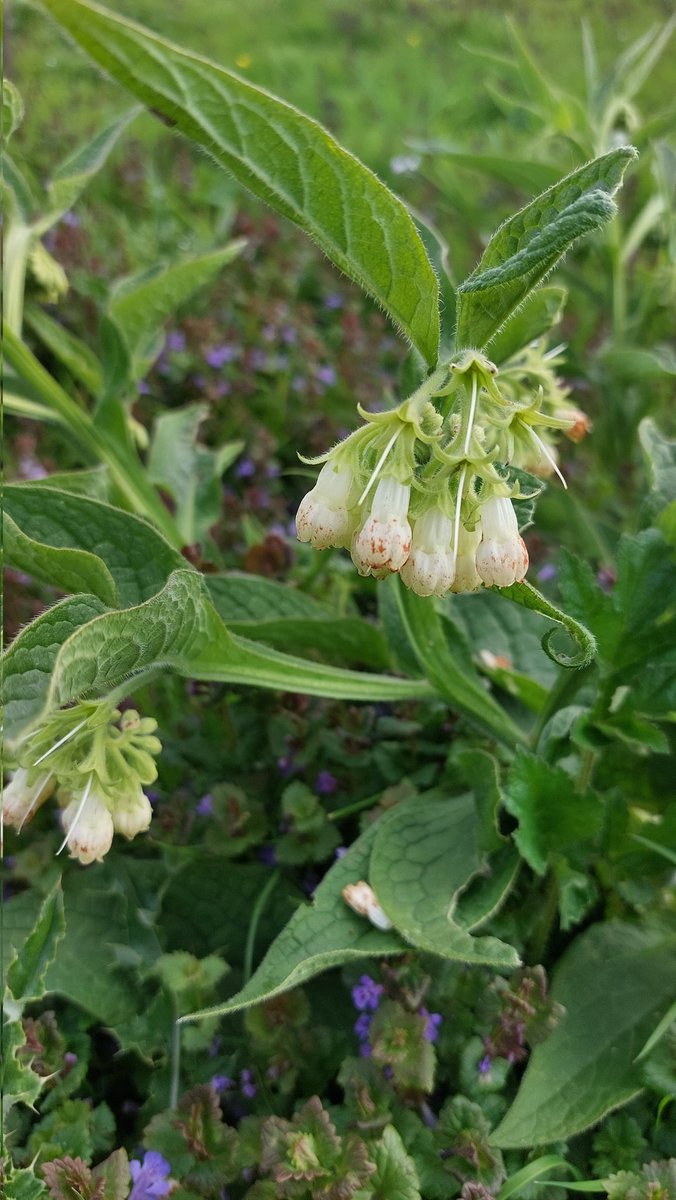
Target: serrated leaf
[(319, 935), (140, 306), (424, 854), (114, 1171), (615, 982), (26, 973), (280, 154), (23, 1185), (528, 245), (455, 680), (395, 1177), (553, 818)]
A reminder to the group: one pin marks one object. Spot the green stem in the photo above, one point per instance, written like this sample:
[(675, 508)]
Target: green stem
[(256, 914), (358, 806), (585, 773), (174, 1084), (126, 473), (545, 920), (16, 250)]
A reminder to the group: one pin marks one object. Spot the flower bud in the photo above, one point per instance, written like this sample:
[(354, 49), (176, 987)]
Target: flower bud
[(384, 541), (580, 424), (430, 567), (323, 519), (466, 578), (361, 898), (89, 835), (21, 798), (502, 558), (132, 814)]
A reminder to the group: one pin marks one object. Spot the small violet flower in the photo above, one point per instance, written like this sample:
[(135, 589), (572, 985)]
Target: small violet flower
[(432, 1023), (366, 994), (175, 341), (217, 356), (205, 806), (326, 376), (325, 783), (247, 1084), (150, 1178), (221, 1083), (362, 1026)]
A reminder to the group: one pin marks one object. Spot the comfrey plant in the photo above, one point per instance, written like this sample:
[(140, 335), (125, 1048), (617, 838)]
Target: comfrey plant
[(426, 491)]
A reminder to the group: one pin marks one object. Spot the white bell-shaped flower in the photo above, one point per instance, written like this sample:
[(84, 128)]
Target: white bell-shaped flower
[(24, 794), (466, 578), (430, 567), (384, 541), (323, 519), (502, 558), (132, 814), (88, 828)]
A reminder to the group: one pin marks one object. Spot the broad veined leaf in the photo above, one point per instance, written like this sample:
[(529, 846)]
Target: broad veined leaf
[(68, 569), (541, 311), (322, 934), (280, 154), (424, 854), (130, 552), (63, 656), (291, 620), (140, 306), (615, 982), (528, 245), (29, 661), (553, 818)]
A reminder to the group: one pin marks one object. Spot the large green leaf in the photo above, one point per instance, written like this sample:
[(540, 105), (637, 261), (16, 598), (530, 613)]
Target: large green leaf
[(60, 531), (526, 247), (425, 853), (615, 983), (280, 154), (322, 934), (77, 649), (553, 818)]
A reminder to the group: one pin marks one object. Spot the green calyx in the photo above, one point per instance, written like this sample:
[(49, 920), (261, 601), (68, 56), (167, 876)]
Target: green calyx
[(94, 744)]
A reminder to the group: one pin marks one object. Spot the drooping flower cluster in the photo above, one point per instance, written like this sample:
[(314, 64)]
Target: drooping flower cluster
[(427, 489), (97, 760)]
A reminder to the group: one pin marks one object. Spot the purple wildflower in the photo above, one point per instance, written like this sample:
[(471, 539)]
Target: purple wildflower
[(289, 335), (365, 1050), (150, 1178), (340, 851), (362, 1026), (69, 1059), (218, 356), (70, 219), (546, 573), (326, 376), (248, 1085), (325, 783), (175, 341), (205, 806), (432, 1023), (143, 387), (221, 1083), (366, 994), (484, 1064), (245, 468), (333, 300), (286, 765)]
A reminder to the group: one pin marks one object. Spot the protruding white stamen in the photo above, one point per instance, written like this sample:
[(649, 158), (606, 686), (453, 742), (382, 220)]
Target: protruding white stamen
[(545, 453), (78, 814), (60, 742), (42, 783), (379, 465), (472, 411)]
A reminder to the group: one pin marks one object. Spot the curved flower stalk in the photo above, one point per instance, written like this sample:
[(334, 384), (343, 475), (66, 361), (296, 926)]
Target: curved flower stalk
[(97, 760), (425, 490)]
